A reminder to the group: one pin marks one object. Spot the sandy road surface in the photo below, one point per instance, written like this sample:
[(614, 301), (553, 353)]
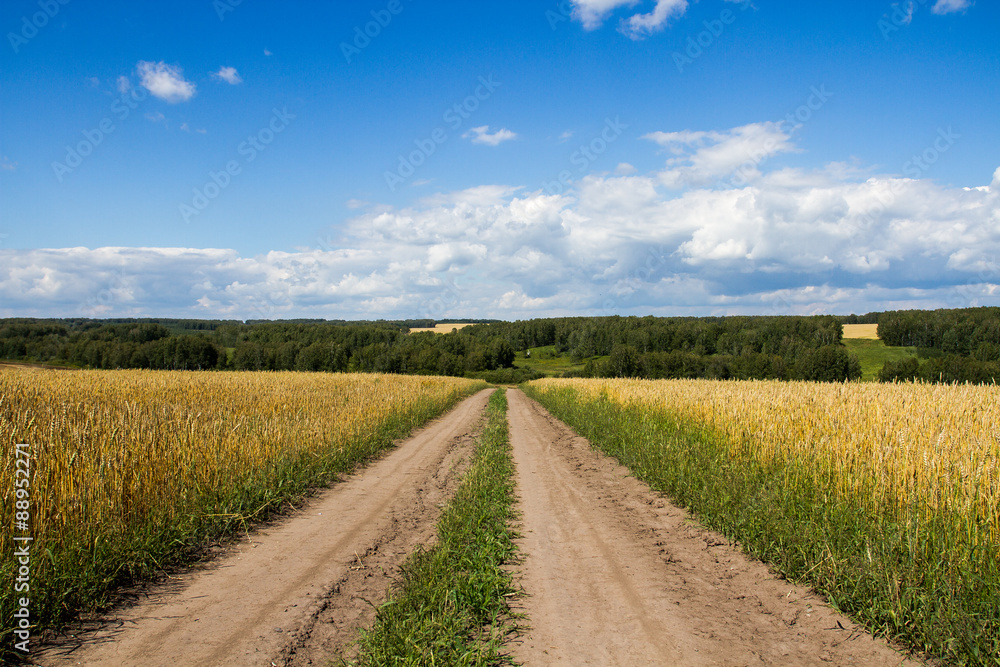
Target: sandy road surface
[(297, 592), (616, 576)]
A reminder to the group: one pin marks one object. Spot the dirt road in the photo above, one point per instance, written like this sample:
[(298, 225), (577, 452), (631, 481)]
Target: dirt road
[(616, 576), (298, 591)]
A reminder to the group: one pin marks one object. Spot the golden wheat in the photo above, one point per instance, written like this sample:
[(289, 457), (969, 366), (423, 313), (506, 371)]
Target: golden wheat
[(123, 457), (885, 445)]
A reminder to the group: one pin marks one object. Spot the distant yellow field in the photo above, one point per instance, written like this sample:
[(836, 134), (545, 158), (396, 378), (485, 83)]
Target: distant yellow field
[(869, 331), (443, 328)]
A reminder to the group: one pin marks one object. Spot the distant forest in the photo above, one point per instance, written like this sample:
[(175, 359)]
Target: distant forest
[(953, 345)]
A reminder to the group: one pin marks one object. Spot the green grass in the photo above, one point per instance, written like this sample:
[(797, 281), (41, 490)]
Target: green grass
[(450, 607), (548, 361), (873, 354), (916, 582)]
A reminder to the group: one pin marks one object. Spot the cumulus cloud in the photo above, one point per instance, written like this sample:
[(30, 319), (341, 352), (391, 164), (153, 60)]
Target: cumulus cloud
[(482, 135), (949, 6), (836, 239), (165, 81), (701, 158), (228, 74)]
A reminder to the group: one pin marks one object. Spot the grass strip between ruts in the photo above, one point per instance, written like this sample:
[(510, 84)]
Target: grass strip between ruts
[(451, 605)]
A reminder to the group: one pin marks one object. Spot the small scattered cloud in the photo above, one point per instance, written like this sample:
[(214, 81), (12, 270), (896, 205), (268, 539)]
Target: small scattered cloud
[(267, 53), (94, 82), (123, 84), (156, 117), (355, 204), (7, 165), (201, 130), (625, 169), (228, 74), (593, 13), (639, 26), (165, 81), (566, 136), (950, 6), (421, 182), (482, 135), (905, 15)]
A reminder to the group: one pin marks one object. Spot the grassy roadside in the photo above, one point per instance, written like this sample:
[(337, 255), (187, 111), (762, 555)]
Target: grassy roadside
[(451, 606), (883, 569)]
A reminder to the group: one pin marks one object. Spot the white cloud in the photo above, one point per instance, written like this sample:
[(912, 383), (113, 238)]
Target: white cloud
[(625, 169), (591, 13), (703, 158), (791, 241), (949, 6), (481, 135), (267, 53), (156, 117), (165, 81), (124, 85), (794, 242), (7, 165), (228, 74), (642, 25)]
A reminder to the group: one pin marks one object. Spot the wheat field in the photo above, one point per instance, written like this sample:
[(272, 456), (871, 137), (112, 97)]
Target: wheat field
[(134, 469), (886, 497)]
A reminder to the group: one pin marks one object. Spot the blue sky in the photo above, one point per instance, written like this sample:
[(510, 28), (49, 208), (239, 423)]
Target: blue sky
[(403, 158)]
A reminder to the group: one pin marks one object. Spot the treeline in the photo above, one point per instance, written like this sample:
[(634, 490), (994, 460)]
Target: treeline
[(953, 345), (959, 345), (316, 346), (784, 348), (968, 332)]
